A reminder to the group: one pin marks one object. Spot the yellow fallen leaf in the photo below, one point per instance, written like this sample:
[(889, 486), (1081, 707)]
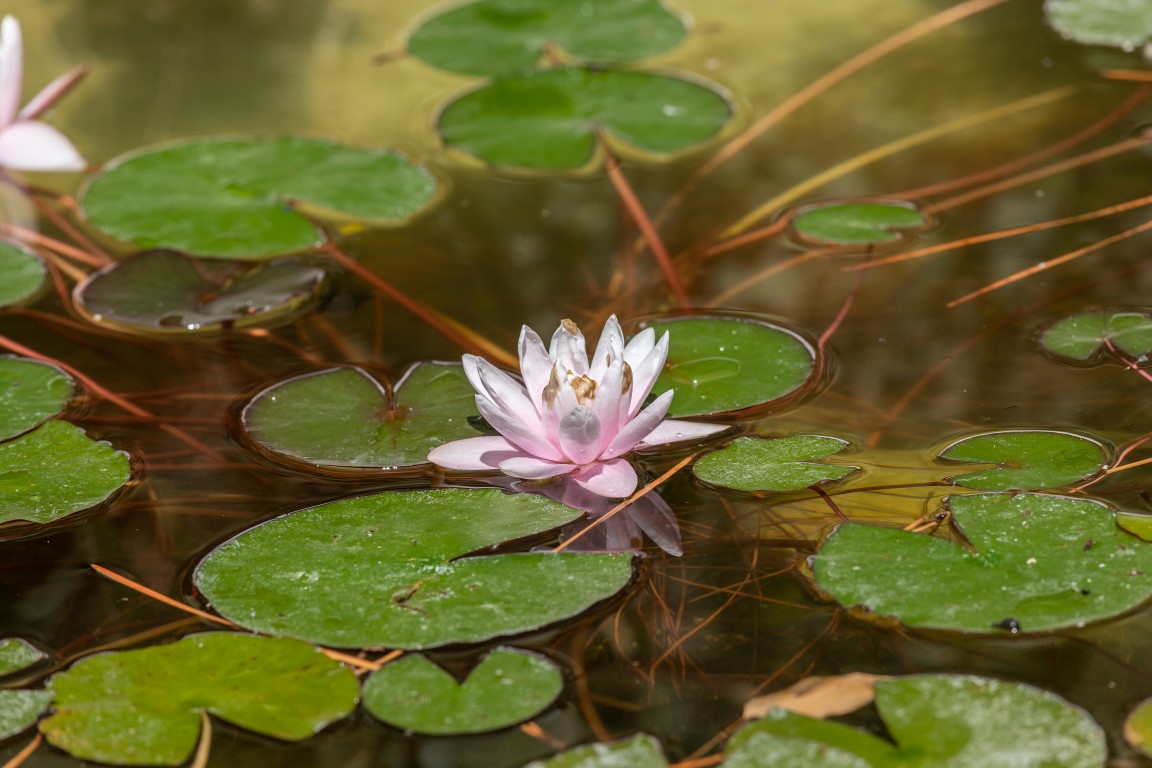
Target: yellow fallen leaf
[(819, 697)]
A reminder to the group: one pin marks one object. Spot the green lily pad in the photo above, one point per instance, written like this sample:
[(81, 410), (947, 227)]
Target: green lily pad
[(640, 751), (720, 364), (143, 706), (342, 417), (499, 37), (550, 119), (936, 721), (247, 199), (388, 570), (781, 464), (1031, 460), (857, 223), (1085, 337), (508, 687), (1123, 24), (167, 292), (19, 710), (1039, 562), (17, 654), (22, 273), (1137, 525), (1138, 728), (31, 392), (56, 470)]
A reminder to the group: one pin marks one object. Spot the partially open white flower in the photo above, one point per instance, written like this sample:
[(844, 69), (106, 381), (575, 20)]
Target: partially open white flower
[(571, 415)]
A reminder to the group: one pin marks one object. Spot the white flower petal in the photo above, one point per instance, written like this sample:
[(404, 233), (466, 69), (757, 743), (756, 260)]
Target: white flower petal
[(639, 427), (507, 394), (580, 435), (532, 468), (674, 431), (471, 365), (568, 348), (609, 349), (518, 433), (609, 402), (644, 373), (614, 479), (535, 365), (639, 346), (474, 453), (11, 69), (28, 145), (51, 93)]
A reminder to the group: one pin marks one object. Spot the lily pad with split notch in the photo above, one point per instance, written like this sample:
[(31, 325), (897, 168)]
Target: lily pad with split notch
[(17, 654), (639, 751), (1087, 338), (166, 292), (1125, 24), (20, 709), (31, 392), (1031, 460), (22, 273), (778, 464), (857, 223)]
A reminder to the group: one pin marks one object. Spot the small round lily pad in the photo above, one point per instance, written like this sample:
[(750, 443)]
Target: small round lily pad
[(1125, 335), (31, 392), (20, 709), (867, 223), (17, 654), (639, 751), (22, 273), (780, 464), (1031, 460), (1123, 24)]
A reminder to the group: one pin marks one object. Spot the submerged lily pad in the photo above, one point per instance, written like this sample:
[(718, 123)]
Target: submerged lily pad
[(1032, 460), (936, 721), (247, 199), (719, 364), (1123, 24), (31, 392), (1091, 336), (507, 687), (1038, 562), (388, 570), (857, 223), (640, 751), (781, 464), (20, 709), (342, 417), (17, 654), (168, 292), (21, 273), (551, 119), (143, 706), (495, 37)]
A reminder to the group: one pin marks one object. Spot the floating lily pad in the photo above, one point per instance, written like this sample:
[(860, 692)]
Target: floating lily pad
[(936, 721), (1138, 727), (19, 710), (857, 223), (1090, 337), (240, 199), (17, 654), (168, 292), (720, 364), (342, 417), (782, 464), (1031, 460), (1137, 525), (21, 273), (640, 751), (143, 706), (1123, 24), (388, 570), (56, 470), (550, 119), (1038, 562), (31, 392), (508, 687)]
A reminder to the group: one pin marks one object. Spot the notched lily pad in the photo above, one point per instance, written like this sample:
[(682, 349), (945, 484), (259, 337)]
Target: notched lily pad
[(779, 464), (640, 751), (1123, 24), (1088, 338), (20, 709), (143, 706), (22, 273), (507, 687), (389, 570), (17, 654), (31, 392), (166, 292), (1037, 562), (250, 199), (550, 119), (1031, 460), (342, 418), (868, 223)]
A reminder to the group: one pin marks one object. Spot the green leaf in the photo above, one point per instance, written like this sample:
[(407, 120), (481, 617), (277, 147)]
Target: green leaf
[(387, 570), (31, 392), (1123, 24), (142, 706), (550, 119), (507, 687), (17, 654), (21, 273), (167, 292), (1031, 460), (1125, 335), (57, 470), (721, 364), (240, 199), (342, 418), (1039, 562), (781, 464), (937, 721), (19, 710), (501, 37), (640, 751), (857, 223), (1138, 728)]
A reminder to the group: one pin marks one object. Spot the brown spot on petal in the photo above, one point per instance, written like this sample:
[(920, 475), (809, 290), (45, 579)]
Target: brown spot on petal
[(626, 380), (550, 390), (569, 326), (585, 389)]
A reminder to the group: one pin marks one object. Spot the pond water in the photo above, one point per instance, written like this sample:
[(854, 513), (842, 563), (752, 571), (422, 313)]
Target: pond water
[(679, 654)]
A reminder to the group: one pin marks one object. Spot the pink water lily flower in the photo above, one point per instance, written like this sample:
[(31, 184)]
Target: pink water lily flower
[(571, 415), (26, 144)]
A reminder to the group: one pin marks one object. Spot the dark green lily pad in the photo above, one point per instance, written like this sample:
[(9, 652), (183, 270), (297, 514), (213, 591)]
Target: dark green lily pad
[(22, 273), (936, 721), (507, 687), (1138, 728), (781, 464), (721, 364), (1031, 460), (31, 392), (500, 37), (342, 417), (143, 706), (246, 199), (1123, 24), (1039, 562), (857, 223), (1085, 338), (56, 470), (550, 120), (387, 570), (17, 654), (167, 292), (640, 751), (20, 709)]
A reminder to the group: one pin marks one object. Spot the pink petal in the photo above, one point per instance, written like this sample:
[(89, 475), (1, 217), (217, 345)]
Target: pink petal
[(11, 69), (611, 403), (580, 435), (673, 431), (518, 433), (653, 515), (614, 479), (639, 427), (639, 347), (51, 93), (644, 373), (569, 349), (535, 365), (507, 393), (474, 453), (608, 349), (532, 468), (27, 145)]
